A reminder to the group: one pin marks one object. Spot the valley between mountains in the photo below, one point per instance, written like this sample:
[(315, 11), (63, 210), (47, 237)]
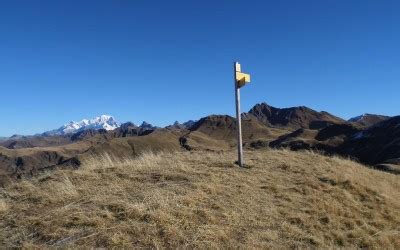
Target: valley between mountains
[(373, 140)]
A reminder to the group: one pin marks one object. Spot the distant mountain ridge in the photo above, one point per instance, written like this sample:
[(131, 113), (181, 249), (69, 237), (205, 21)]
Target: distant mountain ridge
[(178, 125), (294, 117), (368, 119)]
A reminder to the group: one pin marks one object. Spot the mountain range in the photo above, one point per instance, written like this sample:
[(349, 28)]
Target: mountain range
[(295, 117), (371, 139)]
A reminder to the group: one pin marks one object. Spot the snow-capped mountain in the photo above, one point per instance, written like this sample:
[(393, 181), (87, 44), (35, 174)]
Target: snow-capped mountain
[(102, 122)]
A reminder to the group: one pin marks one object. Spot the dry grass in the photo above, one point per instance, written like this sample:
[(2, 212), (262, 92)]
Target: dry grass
[(199, 199)]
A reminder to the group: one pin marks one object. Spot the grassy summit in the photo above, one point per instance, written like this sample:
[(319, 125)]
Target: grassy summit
[(201, 199)]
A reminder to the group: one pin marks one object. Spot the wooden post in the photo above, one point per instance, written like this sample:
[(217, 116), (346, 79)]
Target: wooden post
[(236, 68)]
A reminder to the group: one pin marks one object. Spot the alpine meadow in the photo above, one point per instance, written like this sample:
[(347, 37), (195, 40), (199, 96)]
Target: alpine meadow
[(200, 125)]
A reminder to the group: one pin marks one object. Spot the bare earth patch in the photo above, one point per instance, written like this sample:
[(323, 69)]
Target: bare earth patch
[(201, 199)]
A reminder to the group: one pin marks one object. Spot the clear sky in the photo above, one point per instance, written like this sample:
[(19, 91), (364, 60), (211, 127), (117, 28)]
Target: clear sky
[(162, 61)]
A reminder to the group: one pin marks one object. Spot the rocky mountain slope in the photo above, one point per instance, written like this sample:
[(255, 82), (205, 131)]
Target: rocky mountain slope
[(367, 120), (379, 143), (296, 117)]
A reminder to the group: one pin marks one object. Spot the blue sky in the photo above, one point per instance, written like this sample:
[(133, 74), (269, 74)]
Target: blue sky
[(162, 61)]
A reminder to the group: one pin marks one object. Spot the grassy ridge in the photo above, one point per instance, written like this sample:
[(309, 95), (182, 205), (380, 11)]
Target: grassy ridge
[(200, 199)]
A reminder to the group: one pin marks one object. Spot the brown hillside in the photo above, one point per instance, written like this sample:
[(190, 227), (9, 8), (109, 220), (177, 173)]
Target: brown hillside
[(328, 139), (202, 200), (218, 132), (29, 162), (377, 144)]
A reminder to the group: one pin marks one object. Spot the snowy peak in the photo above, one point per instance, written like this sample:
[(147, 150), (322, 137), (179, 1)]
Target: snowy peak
[(106, 122)]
